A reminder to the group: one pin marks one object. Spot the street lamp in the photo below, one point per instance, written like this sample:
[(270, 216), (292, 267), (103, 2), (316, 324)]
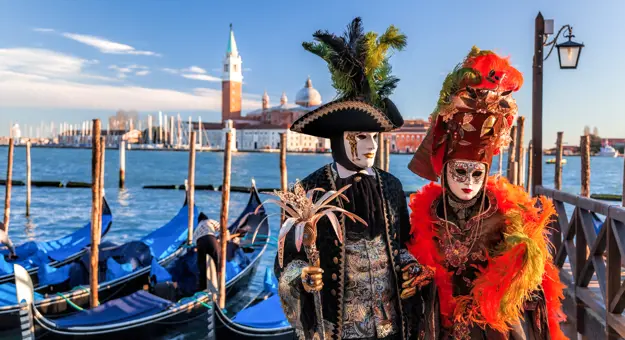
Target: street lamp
[(568, 56)]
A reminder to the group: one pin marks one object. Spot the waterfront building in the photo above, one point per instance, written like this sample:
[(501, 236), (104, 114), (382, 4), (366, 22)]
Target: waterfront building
[(408, 138)]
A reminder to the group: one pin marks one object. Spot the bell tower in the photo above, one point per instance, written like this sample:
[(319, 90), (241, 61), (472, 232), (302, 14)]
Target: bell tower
[(231, 82)]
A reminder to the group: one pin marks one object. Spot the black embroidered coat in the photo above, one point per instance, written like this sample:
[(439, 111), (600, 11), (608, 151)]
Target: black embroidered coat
[(298, 305)]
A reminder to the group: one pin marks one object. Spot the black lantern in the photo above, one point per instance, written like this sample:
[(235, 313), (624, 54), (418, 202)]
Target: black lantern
[(569, 51)]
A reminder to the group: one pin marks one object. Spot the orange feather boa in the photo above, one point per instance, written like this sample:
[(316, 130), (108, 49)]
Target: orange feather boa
[(509, 276)]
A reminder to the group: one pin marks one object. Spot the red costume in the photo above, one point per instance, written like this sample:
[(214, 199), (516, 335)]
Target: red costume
[(493, 272)]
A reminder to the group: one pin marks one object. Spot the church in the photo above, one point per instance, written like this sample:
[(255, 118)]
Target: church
[(259, 129)]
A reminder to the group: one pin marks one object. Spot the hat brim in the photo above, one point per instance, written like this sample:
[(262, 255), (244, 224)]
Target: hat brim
[(337, 117)]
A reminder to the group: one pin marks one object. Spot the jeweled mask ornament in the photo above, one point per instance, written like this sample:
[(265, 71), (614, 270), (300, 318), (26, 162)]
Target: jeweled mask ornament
[(465, 178), (361, 147)]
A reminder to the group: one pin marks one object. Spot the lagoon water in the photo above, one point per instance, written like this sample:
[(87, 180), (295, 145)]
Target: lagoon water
[(136, 211)]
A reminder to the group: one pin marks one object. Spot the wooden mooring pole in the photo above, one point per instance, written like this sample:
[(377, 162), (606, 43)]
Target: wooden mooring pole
[(530, 164), (283, 173), (387, 155), (510, 173), (500, 161), (585, 151), (225, 199), (520, 130), (191, 189), (379, 157), (122, 164), (7, 192), (557, 181), (96, 198), (28, 178)]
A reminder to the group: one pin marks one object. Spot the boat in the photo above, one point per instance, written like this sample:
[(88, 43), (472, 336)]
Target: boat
[(55, 253), (553, 161), (607, 151), (172, 297), (262, 318)]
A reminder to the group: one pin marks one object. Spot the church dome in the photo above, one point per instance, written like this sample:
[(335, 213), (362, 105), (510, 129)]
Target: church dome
[(308, 96)]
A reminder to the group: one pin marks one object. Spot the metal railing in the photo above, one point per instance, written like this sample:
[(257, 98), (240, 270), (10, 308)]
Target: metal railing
[(589, 249)]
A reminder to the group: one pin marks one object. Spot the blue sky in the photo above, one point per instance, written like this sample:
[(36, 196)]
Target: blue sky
[(77, 60)]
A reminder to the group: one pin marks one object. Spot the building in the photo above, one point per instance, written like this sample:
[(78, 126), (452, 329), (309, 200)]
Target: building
[(408, 138), (259, 129), (123, 120)]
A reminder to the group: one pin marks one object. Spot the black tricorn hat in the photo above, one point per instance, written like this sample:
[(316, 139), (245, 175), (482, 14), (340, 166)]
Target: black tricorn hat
[(348, 115), (362, 79)]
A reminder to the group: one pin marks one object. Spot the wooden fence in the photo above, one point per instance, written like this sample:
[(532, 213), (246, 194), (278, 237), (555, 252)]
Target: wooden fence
[(589, 249)]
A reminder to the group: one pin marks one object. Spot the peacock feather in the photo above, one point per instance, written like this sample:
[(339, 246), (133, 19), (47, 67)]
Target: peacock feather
[(359, 62)]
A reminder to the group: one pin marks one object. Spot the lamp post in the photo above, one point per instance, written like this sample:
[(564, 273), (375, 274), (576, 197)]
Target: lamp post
[(568, 56)]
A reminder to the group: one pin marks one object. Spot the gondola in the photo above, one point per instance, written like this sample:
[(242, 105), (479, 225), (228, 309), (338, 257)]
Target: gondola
[(261, 319), (56, 253), (122, 270), (172, 298)]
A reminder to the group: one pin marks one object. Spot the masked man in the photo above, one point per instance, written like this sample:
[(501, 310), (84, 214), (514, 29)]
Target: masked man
[(360, 279), (486, 239)]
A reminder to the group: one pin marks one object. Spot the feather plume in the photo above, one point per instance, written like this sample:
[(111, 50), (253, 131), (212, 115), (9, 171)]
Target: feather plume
[(359, 62)]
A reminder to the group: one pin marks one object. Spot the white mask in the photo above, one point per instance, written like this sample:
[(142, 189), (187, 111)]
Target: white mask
[(465, 178), (361, 147)]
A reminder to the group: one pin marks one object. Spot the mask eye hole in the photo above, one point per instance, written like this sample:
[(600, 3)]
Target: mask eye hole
[(461, 172), (477, 173), (361, 136)]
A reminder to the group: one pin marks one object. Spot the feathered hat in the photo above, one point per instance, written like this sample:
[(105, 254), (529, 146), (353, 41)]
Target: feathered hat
[(474, 114), (361, 74)]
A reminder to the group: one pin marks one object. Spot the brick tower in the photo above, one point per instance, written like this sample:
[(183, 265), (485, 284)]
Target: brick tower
[(231, 82)]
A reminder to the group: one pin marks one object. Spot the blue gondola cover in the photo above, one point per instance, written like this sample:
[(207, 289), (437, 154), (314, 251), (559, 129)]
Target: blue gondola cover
[(265, 315)]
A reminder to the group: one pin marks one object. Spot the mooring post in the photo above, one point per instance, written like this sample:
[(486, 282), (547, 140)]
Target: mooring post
[(191, 189), (500, 161), (520, 130), (283, 173), (379, 157), (28, 178), (530, 164), (585, 151), (225, 199), (387, 154), (7, 192), (96, 198), (511, 156), (122, 164), (557, 181)]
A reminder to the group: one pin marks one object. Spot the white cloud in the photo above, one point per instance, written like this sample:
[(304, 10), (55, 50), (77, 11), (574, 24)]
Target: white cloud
[(195, 69), (107, 46), (170, 70), (204, 77), (36, 78), (43, 30), (123, 72)]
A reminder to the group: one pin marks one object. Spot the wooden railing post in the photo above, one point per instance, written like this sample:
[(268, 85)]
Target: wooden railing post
[(585, 152), (557, 181)]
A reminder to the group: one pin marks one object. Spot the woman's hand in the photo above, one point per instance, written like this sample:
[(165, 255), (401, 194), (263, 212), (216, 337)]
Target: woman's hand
[(415, 277), (311, 279)]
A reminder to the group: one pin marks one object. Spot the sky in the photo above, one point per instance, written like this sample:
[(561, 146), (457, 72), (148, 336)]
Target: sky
[(71, 61)]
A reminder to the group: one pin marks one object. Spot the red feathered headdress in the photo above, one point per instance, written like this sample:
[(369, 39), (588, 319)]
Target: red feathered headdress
[(474, 114)]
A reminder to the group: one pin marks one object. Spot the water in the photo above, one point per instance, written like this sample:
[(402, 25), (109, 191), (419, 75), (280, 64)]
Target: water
[(56, 212)]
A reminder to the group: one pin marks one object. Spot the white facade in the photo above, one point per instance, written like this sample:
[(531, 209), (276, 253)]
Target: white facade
[(251, 139), (259, 139)]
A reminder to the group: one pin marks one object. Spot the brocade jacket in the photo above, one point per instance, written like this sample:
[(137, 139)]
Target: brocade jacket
[(298, 304)]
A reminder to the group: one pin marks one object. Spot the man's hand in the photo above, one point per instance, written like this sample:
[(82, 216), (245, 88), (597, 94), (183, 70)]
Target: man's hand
[(415, 278), (311, 279)]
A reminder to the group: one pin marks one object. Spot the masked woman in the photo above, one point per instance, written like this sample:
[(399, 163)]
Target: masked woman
[(486, 239), (360, 277)]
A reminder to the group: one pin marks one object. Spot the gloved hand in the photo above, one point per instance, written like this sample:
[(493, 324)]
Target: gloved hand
[(311, 279), (415, 277)]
